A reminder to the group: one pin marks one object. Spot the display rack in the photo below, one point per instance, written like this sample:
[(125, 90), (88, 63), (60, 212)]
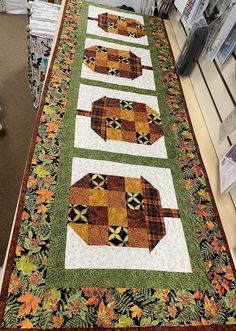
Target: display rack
[(215, 87)]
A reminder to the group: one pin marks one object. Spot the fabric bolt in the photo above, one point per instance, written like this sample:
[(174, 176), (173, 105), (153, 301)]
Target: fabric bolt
[(39, 49), (180, 5), (16, 7), (147, 7), (188, 9), (41, 29), (2, 6), (228, 47), (229, 27)]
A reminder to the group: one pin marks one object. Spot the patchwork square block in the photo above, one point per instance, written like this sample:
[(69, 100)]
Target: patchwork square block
[(140, 227), (118, 64), (78, 214), (109, 120), (113, 62), (116, 199), (114, 212), (132, 122), (121, 25), (110, 23), (117, 216), (118, 236), (98, 215)]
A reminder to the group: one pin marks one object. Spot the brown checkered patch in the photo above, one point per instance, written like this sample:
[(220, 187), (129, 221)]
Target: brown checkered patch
[(119, 211), (121, 25), (122, 120), (113, 62), (98, 118), (153, 215), (167, 212)]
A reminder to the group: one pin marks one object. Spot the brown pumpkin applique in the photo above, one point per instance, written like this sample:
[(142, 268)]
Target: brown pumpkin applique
[(124, 26), (114, 62), (118, 211), (122, 120)]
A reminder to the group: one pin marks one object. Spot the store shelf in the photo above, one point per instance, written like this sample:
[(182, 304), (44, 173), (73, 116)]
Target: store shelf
[(215, 88)]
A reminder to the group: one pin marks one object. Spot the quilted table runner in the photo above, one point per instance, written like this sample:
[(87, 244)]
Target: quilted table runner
[(116, 225)]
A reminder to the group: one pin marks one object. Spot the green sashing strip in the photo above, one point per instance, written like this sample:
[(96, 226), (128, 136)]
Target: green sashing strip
[(57, 275), (110, 40)]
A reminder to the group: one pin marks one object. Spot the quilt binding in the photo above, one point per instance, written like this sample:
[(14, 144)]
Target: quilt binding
[(16, 225)]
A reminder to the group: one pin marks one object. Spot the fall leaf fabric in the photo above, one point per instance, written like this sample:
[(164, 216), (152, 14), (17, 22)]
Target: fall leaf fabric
[(29, 303)]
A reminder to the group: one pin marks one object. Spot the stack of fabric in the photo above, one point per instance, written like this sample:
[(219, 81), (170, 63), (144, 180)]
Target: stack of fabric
[(42, 26), (16, 7), (2, 6), (220, 17)]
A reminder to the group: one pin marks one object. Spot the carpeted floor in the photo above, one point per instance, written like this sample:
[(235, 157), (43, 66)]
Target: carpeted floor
[(17, 118)]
